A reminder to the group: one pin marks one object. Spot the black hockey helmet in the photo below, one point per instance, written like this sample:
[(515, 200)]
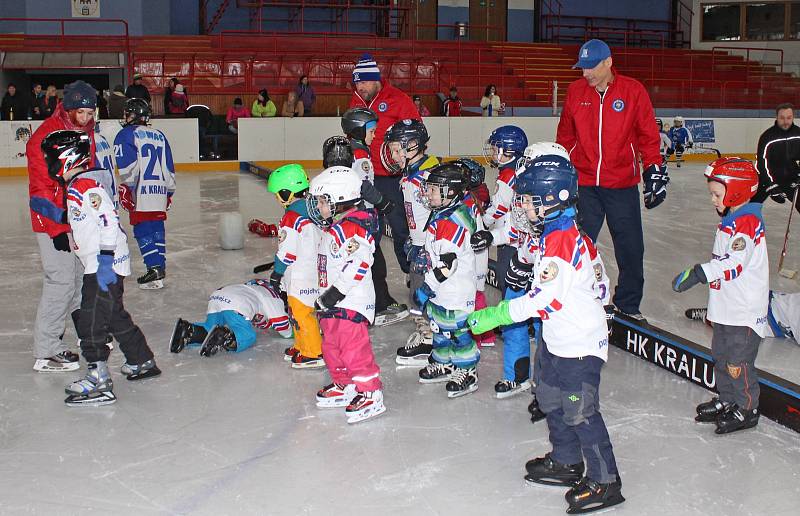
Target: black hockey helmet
[(356, 121), (337, 152), (139, 109), (659, 123), (451, 178), (412, 137), (65, 151), (474, 170)]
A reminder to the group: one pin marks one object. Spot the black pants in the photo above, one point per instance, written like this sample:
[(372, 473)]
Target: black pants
[(620, 206), (390, 188), (102, 313)]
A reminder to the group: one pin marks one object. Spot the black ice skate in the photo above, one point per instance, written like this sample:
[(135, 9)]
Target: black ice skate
[(535, 411), (735, 419), (462, 381), (696, 314), (393, 313), (590, 496), (507, 388), (218, 338), (135, 372), (545, 470), (186, 333), (709, 411), (152, 279), (417, 349), (435, 372), (93, 390)]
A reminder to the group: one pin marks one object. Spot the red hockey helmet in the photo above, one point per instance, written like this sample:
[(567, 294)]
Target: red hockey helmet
[(739, 177)]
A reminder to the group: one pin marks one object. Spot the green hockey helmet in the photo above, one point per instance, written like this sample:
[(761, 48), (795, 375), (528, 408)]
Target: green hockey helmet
[(288, 182)]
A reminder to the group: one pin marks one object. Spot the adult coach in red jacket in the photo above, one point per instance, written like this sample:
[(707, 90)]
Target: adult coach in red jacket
[(607, 125), (391, 105), (63, 272)]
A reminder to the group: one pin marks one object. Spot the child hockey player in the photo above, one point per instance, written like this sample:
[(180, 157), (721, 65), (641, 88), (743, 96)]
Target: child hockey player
[(681, 139), (574, 343), (666, 143), (147, 182), (233, 311), (102, 247), (447, 293), (295, 264), (403, 151), (347, 304), (738, 280)]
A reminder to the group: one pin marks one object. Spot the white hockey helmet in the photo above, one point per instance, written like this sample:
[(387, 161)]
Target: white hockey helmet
[(537, 149), (339, 187), (677, 121)]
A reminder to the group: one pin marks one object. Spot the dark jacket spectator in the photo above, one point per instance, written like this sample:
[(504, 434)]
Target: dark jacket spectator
[(102, 107), (37, 94), (116, 103), (137, 90), (48, 103), (15, 105), (305, 92)]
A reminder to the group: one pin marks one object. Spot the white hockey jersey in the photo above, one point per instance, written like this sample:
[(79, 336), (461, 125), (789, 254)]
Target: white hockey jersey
[(145, 165), (784, 315), (738, 274), (255, 301), (450, 232), (299, 240), (104, 158), (503, 196), (95, 222), (564, 295), (416, 212), (344, 261), (482, 257)]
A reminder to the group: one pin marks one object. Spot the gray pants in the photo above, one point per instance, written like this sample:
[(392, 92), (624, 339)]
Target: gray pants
[(415, 281), (734, 349), (61, 295)]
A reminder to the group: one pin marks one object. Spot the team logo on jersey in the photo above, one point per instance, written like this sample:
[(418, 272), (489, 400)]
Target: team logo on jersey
[(75, 212), (383, 106), (366, 166), (549, 273), (738, 244), (352, 246), (734, 371), (282, 236), (598, 272), (334, 248), (618, 105), (95, 200)]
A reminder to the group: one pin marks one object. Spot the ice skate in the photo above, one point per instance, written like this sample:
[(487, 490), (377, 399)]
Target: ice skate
[(709, 411), (417, 349), (590, 496), (735, 419), (535, 412), (59, 363), (462, 381), (218, 338), (303, 362), (544, 470), (435, 372), (393, 313), (140, 371), (94, 389), (696, 314), (364, 406), (507, 388), (152, 279), (335, 395), (186, 333), (289, 353)]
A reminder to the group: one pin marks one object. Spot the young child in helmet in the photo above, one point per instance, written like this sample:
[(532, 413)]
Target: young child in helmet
[(447, 293), (403, 151), (147, 183), (574, 343), (347, 304), (738, 295), (681, 139), (233, 313), (294, 270), (102, 247)]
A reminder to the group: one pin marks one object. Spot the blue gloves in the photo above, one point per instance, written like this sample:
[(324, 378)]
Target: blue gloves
[(105, 271), (423, 294)]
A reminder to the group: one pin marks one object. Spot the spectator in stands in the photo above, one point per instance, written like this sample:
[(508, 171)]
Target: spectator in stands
[(490, 103), (235, 112), (137, 90), (204, 120), (178, 101), (36, 95), (263, 106), (102, 106), (15, 105), (48, 103), (421, 108), (452, 104), (305, 92), (172, 85), (292, 107), (777, 159), (116, 103)]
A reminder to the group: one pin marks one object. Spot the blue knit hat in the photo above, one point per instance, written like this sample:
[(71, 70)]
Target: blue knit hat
[(366, 70), (79, 95)]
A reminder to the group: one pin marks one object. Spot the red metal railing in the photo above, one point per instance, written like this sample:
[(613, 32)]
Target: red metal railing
[(716, 55)]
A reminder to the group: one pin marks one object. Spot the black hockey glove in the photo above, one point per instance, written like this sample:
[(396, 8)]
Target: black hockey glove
[(689, 145), (385, 207), (61, 242), (776, 193), (328, 300), (655, 186), (518, 274), (689, 278), (481, 240), (448, 267), (275, 280), (609, 318)]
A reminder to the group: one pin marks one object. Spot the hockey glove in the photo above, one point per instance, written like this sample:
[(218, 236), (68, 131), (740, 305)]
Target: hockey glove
[(689, 278), (609, 318), (47, 209), (61, 242), (328, 300), (105, 271), (776, 193), (385, 207), (489, 318), (518, 274), (655, 186), (275, 280), (448, 267), (126, 198), (689, 145), (423, 294), (169, 200), (481, 240), (481, 193)]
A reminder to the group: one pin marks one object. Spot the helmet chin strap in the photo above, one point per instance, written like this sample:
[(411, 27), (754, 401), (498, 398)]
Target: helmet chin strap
[(559, 210)]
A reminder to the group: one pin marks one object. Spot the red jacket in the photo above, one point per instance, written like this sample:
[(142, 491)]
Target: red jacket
[(391, 105), (40, 184), (626, 117)]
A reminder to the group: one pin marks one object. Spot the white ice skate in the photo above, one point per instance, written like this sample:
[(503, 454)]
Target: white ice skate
[(335, 395), (60, 363), (364, 406)]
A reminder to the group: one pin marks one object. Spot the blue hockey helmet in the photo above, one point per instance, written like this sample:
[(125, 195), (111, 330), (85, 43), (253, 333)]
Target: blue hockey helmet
[(507, 141), (550, 182)]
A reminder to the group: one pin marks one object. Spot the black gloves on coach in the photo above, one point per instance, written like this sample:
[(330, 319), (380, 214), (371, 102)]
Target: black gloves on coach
[(61, 242), (655, 185)]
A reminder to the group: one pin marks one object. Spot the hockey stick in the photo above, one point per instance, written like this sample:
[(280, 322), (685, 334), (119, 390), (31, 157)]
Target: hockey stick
[(701, 146), (263, 267), (788, 273)]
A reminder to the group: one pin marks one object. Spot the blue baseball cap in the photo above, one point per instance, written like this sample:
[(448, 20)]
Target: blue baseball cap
[(591, 53)]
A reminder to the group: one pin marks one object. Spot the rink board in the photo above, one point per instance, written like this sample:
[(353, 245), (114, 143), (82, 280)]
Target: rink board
[(779, 400)]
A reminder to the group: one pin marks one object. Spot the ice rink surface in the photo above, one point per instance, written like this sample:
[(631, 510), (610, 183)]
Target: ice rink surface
[(240, 434)]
